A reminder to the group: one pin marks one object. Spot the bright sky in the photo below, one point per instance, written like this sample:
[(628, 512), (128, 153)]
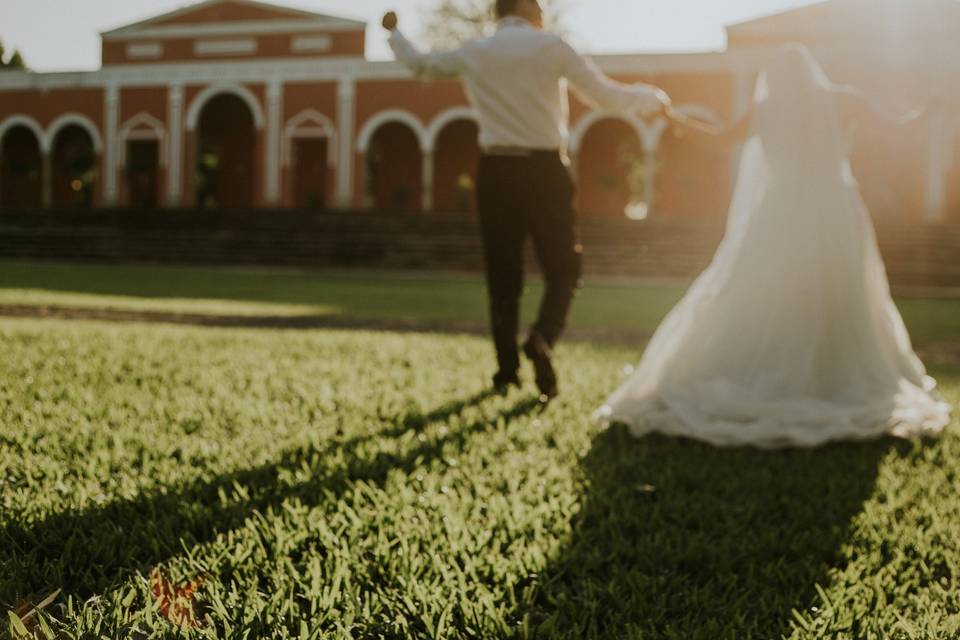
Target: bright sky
[(63, 34)]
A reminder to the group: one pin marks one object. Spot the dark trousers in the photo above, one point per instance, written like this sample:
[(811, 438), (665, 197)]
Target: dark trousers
[(517, 197)]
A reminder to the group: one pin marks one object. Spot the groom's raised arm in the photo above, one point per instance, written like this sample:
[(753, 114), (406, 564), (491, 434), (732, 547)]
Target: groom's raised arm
[(437, 63), (590, 83)]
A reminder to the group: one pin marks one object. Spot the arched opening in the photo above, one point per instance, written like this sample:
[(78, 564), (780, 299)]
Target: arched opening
[(394, 167), (74, 171), (456, 156), (225, 157), (612, 170), (21, 169), (142, 160), (311, 172), (309, 160), (142, 173)]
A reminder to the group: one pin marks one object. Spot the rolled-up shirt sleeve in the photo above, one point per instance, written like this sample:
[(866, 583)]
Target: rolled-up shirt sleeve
[(437, 63), (602, 92)]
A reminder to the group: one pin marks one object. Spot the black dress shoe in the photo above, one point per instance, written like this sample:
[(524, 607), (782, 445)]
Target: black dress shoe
[(503, 381), (537, 349)]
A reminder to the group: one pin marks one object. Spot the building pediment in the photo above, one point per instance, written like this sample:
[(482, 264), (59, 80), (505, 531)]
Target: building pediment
[(233, 29), (232, 11), (231, 17)]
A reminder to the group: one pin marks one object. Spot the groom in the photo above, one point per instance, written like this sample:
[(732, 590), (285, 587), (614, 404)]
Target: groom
[(524, 187)]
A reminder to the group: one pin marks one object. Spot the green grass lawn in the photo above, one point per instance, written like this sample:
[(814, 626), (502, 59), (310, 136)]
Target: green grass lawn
[(338, 484), (599, 306), (331, 484)]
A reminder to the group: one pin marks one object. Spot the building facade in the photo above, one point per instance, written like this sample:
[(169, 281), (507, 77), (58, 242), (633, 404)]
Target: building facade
[(241, 104)]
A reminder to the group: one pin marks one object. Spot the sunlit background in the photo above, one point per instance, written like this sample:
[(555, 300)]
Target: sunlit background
[(900, 53), (51, 41), (244, 365)]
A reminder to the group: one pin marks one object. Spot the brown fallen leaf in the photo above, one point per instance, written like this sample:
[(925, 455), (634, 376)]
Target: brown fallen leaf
[(177, 603), (26, 612)]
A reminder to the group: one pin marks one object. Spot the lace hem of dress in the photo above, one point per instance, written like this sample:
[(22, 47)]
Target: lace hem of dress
[(921, 419)]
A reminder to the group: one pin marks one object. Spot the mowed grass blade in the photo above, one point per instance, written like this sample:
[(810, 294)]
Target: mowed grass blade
[(332, 484)]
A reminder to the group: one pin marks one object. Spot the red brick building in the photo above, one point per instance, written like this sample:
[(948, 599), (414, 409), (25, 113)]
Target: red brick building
[(235, 103)]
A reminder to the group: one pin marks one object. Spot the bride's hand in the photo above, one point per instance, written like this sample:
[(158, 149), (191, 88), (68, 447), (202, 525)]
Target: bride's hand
[(683, 124), (680, 123), (674, 116), (676, 122)]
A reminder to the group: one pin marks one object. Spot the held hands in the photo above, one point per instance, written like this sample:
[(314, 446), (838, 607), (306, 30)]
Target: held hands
[(390, 21), (679, 123), (683, 124)]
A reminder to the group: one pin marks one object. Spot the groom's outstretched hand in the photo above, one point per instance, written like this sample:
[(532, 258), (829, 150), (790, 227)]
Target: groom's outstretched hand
[(666, 104), (390, 21)]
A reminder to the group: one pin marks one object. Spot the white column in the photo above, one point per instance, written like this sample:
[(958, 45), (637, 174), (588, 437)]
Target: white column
[(274, 114), (651, 144), (427, 187), (175, 142), (650, 136), (111, 111), (938, 153), (47, 178), (650, 140), (346, 103)]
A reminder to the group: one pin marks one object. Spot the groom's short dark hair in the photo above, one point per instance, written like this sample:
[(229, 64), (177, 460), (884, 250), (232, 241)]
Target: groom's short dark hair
[(505, 8)]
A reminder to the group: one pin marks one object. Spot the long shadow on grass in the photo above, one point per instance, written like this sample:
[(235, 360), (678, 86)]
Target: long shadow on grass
[(84, 552), (680, 540)]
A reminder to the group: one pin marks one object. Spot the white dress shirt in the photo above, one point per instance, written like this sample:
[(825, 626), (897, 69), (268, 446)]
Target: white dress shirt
[(515, 77)]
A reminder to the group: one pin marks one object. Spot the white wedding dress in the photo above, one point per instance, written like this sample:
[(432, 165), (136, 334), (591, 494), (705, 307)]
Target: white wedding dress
[(790, 337)]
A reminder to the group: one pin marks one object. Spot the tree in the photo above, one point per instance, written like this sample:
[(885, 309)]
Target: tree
[(452, 22), (13, 62)]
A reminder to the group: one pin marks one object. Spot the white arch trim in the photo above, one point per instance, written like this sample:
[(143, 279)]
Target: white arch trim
[(649, 134), (384, 117), (439, 123), (81, 121), (310, 123), (29, 123), (156, 132), (196, 107)]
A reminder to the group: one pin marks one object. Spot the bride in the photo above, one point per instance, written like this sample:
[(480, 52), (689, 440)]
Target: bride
[(790, 337)]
